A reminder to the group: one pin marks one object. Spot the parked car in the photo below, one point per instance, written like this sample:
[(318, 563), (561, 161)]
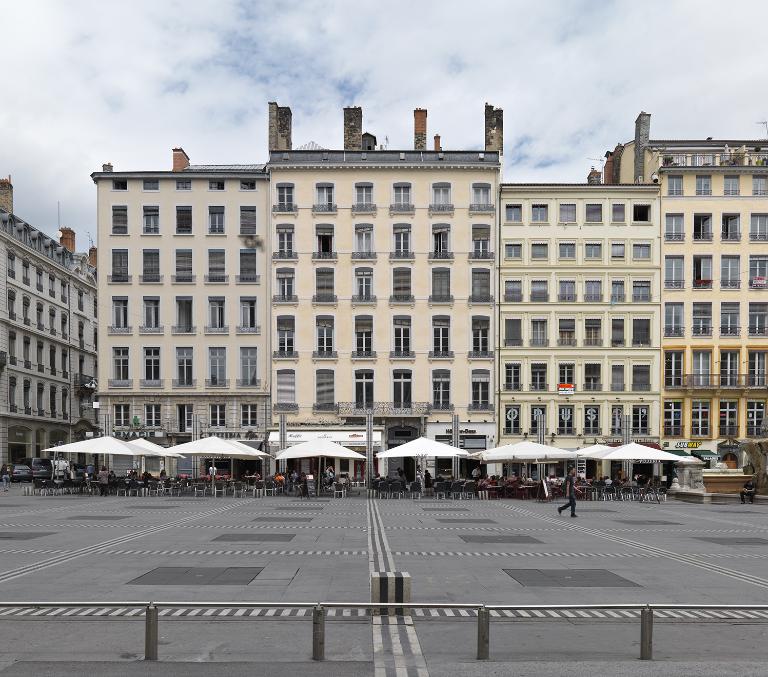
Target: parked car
[(21, 473), (42, 468)]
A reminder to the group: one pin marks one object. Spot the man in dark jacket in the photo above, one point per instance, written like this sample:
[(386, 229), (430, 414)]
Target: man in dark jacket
[(570, 493), (749, 490)]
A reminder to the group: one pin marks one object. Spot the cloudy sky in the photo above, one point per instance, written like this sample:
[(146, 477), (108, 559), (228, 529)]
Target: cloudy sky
[(90, 82)]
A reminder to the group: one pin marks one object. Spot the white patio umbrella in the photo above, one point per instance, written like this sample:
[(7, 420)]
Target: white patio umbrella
[(216, 446), (318, 448), (151, 449), (97, 445), (423, 447), (634, 452), (586, 452), (526, 451)]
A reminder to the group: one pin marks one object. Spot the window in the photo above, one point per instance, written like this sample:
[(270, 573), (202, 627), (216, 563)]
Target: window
[(218, 415), (757, 364), (641, 213), (513, 290), (673, 319), (617, 250), (538, 419), (594, 213), (702, 272), (758, 271), (673, 419), (702, 319), (184, 313), (247, 220), (758, 227), (247, 184), (641, 251), (565, 420), (324, 196), (538, 376), (119, 266), (441, 194), (593, 250), (618, 212), (641, 291), (285, 280), (364, 334), (185, 417), (285, 198), (401, 327), (731, 227), (539, 250), (402, 389), (440, 240), (401, 194), (325, 397), (673, 272), (729, 367), (363, 388), (539, 213), (593, 290), (640, 419), (674, 229), (759, 185), (324, 335), (119, 312), (184, 265), (641, 377), (481, 242), (184, 367), (730, 185), (617, 331), (402, 236), (216, 185), (216, 266), (120, 364), (441, 333), (122, 415), (512, 376), (539, 290), (481, 387), (513, 213), (152, 364), (216, 312), (702, 362), (513, 250), (513, 331), (249, 318), (481, 286), (566, 373), (593, 332), (758, 319), (481, 194), (151, 184), (755, 419), (249, 415), (592, 420), (673, 368), (703, 184), (566, 331), (286, 331), (248, 266), (151, 265), (700, 411), (441, 389), (152, 415), (675, 185), (216, 220), (324, 238), (324, 284), (567, 250), (567, 213), (566, 290), (184, 184), (151, 312), (364, 239), (441, 284), (363, 194), (641, 332), (217, 366), (119, 220), (480, 330), (364, 284), (119, 184), (184, 220), (729, 319), (702, 227), (151, 220)]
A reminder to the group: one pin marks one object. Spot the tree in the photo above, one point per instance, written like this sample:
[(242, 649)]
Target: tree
[(756, 453)]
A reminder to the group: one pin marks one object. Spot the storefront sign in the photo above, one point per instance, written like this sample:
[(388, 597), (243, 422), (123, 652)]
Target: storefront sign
[(565, 388), (687, 445), (343, 437)]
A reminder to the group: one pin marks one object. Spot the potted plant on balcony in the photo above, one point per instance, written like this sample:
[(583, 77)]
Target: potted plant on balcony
[(667, 161)]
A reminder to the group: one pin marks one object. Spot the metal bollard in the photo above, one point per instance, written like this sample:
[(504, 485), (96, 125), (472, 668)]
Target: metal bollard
[(318, 633), (483, 633), (150, 633), (646, 634)]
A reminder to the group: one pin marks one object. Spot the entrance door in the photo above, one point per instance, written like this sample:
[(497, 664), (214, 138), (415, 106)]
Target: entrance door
[(731, 461)]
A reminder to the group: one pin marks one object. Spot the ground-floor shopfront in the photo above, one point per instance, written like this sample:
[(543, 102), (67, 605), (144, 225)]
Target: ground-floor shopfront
[(22, 438)]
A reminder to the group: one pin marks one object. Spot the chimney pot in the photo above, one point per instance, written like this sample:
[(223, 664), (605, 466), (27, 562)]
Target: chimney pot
[(67, 238), (6, 194), (279, 127), (93, 256), (180, 160), (420, 129), (438, 147), (107, 167)]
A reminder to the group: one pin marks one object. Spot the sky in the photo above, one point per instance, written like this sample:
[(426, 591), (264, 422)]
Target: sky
[(86, 83)]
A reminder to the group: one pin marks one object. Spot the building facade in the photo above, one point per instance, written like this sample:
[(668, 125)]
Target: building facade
[(47, 337), (383, 283), (714, 203), (579, 313), (184, 301)]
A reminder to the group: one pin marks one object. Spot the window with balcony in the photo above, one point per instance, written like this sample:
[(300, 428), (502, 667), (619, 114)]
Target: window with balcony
[(285, 202), (539, 251), (363, 388), (285, 284), (249, 366), (513, 376), (539, 213), (593, 332), (565, 420), (324, 333), (481, 242), (593, 291), (674, 185), (673, 368), (481, 286), (703, 184), (324, 198), (731, 185), (702, 319), (249, 319), (730, 360), (441, 196), (120, 364), (441, 336), (119, 266), (151, 312), (481, 197), (641, 377), (217, 367), (758, 319), (617, 332), (673, 319), (364, 285), (286, 387), (441, 246), (700, 418), (729, 318), (286, 336), (324, 242), (702, 227), (150, 267), (539, 333), (539, 291), (730, 271), (183, 220), (594, 213), (758, 227), (285, 248), (402, 389), (402, 241), (757, 363), (566, 331), (480, 336), (674, 229), (363, 196), (481, 389), (401, 330), (702, 368), (617, 378), (247, 220), (756, 423), (758, 271), (401, 197), (566, 290), (151, 220), (513, 332), (363, 241), (617, 291), (216, 313), (119, 220), (184, 316), (641, 332), (441, 389), (184, 266), (119, 312), (566, 373), (759, 185), (248, 266), (513, 213), (216, 220), (325, 396), (538, 376), (364, 336), (401, 285), (441, 285), (702, 272), (217, 266), (674, 277)]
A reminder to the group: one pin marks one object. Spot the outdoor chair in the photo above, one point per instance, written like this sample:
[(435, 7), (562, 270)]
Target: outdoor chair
[(122, 488), (219, 489), (442, 489), (470, 490), (415, 490), (396, 489), (457, 489), (257, 489), (200, 489), (339, 490), (269, 488)]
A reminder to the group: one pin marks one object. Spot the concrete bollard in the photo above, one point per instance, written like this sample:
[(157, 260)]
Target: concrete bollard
[(393, 587), (483, 633), (318, 633), (150, 633), (646, 634)]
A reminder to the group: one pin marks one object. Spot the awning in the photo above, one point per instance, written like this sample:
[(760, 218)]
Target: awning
[(704, 454), (678, 452)]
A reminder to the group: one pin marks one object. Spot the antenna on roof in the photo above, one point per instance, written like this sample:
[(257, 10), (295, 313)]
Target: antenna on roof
[(58, 214), (765, 124)]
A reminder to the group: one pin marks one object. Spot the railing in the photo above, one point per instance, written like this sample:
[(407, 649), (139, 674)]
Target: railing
[(676, 331), (324, 208), (674, 284), (401, 255), (324, 256), (734, 158), (363, 298), (441, 207), (401, 207), (248, 278), (730, 284), (325, 298), (481, 207), (566, 297), (440, 354), (285, 208), (363, 208), (401, 298), (514, 297), (364, 256), (209, 329), (183, 277), (401, 354), (671, 236), (440, 256), (285, 255), (733, 236), (319, 609), (758, 237)]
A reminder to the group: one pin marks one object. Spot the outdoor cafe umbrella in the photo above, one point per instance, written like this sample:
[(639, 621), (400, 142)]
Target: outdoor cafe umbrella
[(423, 447), (151, 449), (525, 451), (632, 452), (316, 449), (216, 446), (106, 445)]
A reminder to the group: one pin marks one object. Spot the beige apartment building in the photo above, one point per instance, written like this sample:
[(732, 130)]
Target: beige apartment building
[(579, 313), (47, 337), (383, 283), (714, 203), (183, 301)]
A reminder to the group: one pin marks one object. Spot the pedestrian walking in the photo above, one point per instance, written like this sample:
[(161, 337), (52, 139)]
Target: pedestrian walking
[(103, 481), (570, 493), (5, 475)]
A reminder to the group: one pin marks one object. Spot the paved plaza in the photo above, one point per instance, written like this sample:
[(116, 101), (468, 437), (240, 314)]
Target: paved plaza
[(279, 549)]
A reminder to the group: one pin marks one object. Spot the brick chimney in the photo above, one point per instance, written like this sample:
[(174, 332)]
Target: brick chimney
[(642, 135), (594, 177), (494, 129), (420, 129), (92, 256), (107, 167), (438, 147), (279, 127), (353, 128), (67, 238), (180, 160), (608, 168), (6, 194)]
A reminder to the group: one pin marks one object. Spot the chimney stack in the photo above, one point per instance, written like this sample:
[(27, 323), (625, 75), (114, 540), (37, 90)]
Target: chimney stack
[(92, 256), (420, 129), (279, 127), (107, 167), (438, 147), (6, 194), (608, 168), (594, 177), (180, 160), (642, 136), (353, 128), (67, 238), (494, 129)]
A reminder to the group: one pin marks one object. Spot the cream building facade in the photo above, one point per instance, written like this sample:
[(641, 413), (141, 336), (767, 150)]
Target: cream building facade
[(714, 203), (184, 301), (383, 283), (47, 337), (579, 313)]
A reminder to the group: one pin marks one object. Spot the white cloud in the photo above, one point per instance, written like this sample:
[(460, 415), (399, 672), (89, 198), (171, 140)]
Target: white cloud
[(90, 82)]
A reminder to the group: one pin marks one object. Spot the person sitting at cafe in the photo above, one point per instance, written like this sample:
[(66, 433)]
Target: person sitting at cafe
[(749, 490)]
